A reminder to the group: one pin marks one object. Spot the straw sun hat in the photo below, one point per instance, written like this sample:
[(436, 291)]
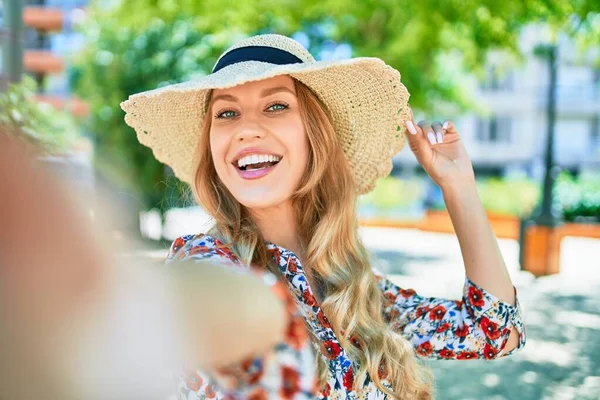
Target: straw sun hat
[(364, 95)]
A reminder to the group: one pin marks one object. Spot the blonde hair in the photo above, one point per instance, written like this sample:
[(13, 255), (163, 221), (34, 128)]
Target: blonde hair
[(334, 254)]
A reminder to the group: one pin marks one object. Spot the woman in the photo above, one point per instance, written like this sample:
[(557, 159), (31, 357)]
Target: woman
[(276, 147)]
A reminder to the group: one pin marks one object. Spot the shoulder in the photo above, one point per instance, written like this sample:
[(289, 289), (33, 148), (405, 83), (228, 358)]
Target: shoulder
[(199, 246), (380, 278)]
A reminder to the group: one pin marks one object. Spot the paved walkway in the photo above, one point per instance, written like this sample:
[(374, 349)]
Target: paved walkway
[(562, 314)]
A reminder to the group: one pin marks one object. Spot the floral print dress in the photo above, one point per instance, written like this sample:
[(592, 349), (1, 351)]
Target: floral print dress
[(477, 326)]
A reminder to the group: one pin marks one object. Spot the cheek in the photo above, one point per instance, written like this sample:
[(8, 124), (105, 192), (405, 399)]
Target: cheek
[(218, 150), (302, 146)]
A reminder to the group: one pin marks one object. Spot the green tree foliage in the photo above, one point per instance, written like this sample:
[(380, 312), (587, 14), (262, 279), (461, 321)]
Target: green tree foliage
[(412, 36), (579, 197), (136, 45), (51, 131), (121, 61)]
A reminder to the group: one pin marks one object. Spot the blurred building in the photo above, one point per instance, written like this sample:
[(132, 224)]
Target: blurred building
[(512, 137), (49, 41)]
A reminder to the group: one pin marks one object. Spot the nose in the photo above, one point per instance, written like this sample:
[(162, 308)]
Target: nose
[(249, 131)]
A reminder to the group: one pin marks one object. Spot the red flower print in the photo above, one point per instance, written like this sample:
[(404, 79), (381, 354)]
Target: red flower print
[(424, 349), (291, 382), (443, 327), (275, 254), (326, 390), (323, 319), (407, 293), (466, 355), (447, 353), (489, 352), (296, 334), (388, 299), (490, 328), (462, 331), (178, 244), (258, 394), (210, 392), (476, 297), (199, 250), (437, 313), (330, 349), (349, 379), (308, 298), (458, 303), (422, 311), (292, 266), (193, 380)]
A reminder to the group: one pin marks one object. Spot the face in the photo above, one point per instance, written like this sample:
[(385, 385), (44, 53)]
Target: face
[(258, 141)]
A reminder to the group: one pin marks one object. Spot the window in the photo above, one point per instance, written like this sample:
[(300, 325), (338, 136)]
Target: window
[(495, 129), (495, 80)]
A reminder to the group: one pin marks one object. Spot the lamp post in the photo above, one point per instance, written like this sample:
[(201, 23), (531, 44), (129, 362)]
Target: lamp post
[(546, 215), (539, 238)]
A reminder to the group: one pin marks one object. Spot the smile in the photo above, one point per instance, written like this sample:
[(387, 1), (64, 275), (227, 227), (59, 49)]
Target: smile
[(253, 167)]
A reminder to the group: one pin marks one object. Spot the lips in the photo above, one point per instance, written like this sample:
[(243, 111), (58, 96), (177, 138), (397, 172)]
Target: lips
[(257, 165), (256, 173)]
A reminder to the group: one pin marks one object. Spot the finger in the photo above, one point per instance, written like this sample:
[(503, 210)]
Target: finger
[(428, 131), (410, 125), (449, 126), (418, 141), (439, 131)]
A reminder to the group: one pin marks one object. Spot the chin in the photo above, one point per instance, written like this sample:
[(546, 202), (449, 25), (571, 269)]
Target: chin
[(257, 200), (263, 193)]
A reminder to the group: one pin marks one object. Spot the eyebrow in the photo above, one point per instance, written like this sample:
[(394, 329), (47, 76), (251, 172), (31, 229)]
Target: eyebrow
[(264, 93)]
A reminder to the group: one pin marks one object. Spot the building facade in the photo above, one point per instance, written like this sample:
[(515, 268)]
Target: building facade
[(512, 137)]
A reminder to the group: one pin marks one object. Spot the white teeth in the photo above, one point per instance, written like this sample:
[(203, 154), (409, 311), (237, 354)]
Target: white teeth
[(256, 158)]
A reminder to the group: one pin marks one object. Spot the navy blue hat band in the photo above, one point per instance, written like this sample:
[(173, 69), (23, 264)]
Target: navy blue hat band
[(257, 53)]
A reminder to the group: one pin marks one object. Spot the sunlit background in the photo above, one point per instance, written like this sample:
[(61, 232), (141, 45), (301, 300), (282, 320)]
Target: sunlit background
[(521, 80)]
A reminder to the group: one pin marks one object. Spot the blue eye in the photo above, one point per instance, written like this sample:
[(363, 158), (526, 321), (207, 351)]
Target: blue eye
[(220, 115), (229, 114), (282, 105)]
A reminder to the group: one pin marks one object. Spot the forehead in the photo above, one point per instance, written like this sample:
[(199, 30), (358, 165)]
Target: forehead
[(256, 87)]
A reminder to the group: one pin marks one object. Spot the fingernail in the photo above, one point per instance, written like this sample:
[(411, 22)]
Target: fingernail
[(445, 126), (411, 127), (431, 137), (440, 137)]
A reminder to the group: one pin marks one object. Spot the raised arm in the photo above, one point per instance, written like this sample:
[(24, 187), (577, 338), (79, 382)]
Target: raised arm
[(440, 151), (477, 326)]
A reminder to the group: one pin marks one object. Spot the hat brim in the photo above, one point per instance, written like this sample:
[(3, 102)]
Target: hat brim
[(367, 101)]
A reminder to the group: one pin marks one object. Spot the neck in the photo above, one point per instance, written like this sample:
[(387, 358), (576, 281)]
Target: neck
[(278, 225)]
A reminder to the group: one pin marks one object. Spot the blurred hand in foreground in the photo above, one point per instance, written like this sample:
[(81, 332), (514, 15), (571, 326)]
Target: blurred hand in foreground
[(77, 322)]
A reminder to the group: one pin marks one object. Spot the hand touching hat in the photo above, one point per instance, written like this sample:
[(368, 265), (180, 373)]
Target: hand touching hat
[(440, 151)]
